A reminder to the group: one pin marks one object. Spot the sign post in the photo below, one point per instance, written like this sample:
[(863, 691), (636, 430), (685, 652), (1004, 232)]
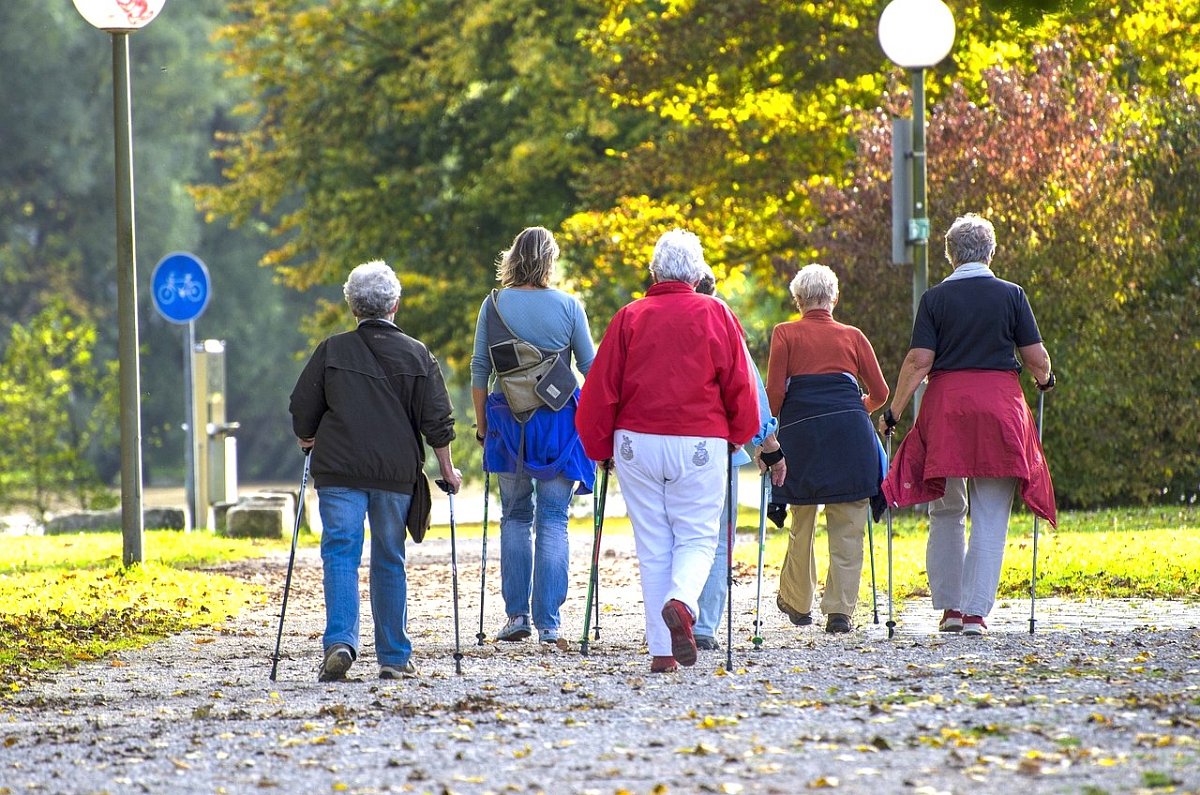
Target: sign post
[(181, 291)]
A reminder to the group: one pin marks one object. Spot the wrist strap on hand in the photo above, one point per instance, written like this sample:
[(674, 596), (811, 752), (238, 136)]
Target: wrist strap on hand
[(890, 419), (771, 459), (1046, 387)]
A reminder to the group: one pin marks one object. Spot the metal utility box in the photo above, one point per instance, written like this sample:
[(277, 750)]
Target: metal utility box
[(214, 446)]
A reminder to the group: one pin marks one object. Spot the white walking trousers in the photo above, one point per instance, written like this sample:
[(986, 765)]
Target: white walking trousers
[(674, 487)]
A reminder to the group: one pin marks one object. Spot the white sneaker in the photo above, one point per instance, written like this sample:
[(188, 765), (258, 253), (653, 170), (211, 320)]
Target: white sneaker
[(973, 625), (517, 628), (406, 671)]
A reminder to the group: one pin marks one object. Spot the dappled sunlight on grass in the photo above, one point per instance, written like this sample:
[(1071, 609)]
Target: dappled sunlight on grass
[(66, 598), (1146, 553)]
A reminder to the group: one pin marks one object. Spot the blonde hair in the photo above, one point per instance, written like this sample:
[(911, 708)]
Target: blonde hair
[(529, 260)]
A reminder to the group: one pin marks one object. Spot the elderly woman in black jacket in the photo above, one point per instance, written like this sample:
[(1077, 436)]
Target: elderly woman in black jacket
[(361, 406)]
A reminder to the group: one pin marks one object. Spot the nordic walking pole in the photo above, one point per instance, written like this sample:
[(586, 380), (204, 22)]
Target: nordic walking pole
[(762, 541), (871, 546), (1033, 572), (287, 584), (729, 564), (891, 622), (458, 655), (596, 508), (487, 487), (597, 530)]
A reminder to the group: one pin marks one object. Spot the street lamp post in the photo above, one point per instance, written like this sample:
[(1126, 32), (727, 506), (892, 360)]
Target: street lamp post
[(917, 35), (120, 18)]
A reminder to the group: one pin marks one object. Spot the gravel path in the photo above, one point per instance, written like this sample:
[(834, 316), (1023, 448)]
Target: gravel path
[(1105, 698)]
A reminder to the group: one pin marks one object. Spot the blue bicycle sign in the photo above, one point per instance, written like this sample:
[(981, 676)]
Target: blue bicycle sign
[(180, 287)]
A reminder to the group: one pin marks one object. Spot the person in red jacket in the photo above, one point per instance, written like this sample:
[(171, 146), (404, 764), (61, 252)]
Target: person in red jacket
[(974, 435), (669, 391)]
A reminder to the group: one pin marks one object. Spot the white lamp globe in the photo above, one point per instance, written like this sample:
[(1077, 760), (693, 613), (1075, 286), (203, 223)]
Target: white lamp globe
[(916, 34), (119, 15)]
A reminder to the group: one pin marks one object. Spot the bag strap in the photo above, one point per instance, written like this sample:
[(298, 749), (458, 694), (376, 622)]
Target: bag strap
[(499, 323), (494, 299)]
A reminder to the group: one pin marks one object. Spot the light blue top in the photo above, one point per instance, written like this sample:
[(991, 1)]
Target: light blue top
[(549, 319), (769, 423)]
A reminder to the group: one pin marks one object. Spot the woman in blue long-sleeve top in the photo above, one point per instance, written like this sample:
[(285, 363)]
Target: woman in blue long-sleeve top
[(537, 457)]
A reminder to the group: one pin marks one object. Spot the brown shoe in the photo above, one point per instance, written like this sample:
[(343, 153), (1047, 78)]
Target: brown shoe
[(795, 616), (679, 620), (663, 665)]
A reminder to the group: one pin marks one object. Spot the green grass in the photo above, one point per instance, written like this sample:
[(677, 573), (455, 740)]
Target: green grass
[(66, 599), (1147, 553)]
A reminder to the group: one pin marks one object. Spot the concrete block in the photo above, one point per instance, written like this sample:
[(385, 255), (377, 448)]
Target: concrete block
[(166, 519), (84, 522), (260, 516)]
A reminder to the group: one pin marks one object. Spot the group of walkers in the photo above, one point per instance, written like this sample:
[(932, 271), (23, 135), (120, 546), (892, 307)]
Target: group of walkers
[(673, 404)]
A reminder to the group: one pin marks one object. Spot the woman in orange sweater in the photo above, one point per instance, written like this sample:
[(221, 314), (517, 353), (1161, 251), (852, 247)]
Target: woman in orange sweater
[(823, 381)]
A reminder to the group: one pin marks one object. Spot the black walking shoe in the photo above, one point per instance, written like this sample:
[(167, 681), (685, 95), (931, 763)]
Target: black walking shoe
[(338, 659), (707, 643), (838, 623)]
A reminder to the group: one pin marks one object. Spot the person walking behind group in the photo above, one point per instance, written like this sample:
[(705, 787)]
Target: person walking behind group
[(361, 406), (670, 391), (974, 439), (712, 601), (535, 452), (816, 376)]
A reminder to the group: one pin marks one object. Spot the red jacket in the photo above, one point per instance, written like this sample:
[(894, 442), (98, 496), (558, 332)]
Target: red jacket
[(672, 363), (972, 423)]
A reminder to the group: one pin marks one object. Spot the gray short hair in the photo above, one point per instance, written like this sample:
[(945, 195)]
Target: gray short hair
[(678, 257), (971, 238), (814, 286), (372, 290)]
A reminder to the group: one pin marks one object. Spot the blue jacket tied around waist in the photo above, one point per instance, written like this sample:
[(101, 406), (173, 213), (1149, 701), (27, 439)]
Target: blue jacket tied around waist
[(833, 454)]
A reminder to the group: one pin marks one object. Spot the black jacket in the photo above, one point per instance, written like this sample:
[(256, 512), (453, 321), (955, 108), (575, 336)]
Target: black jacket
[(364, 395)]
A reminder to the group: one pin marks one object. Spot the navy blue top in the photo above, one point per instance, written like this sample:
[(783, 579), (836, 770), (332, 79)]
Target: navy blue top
[(975, 324)]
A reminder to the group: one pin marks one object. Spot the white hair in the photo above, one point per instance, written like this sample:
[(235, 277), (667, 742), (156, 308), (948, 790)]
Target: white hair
[(814, 286), (971, 238), (372, 290), (678, 257)]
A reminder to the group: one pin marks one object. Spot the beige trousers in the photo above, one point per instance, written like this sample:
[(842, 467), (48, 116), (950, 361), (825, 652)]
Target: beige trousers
[(845, 523)]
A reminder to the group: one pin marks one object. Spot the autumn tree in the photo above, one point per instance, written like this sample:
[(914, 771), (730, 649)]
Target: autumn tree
[(426, 134)]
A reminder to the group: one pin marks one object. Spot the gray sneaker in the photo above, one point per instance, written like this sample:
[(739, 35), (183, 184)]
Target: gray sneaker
[(548, 635), (517, 628), (406, 671), (338, 659), (707, 643)]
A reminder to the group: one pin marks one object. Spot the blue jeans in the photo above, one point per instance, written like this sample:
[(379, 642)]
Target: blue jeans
[(342, 513), (533, 546), (712, 602)]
